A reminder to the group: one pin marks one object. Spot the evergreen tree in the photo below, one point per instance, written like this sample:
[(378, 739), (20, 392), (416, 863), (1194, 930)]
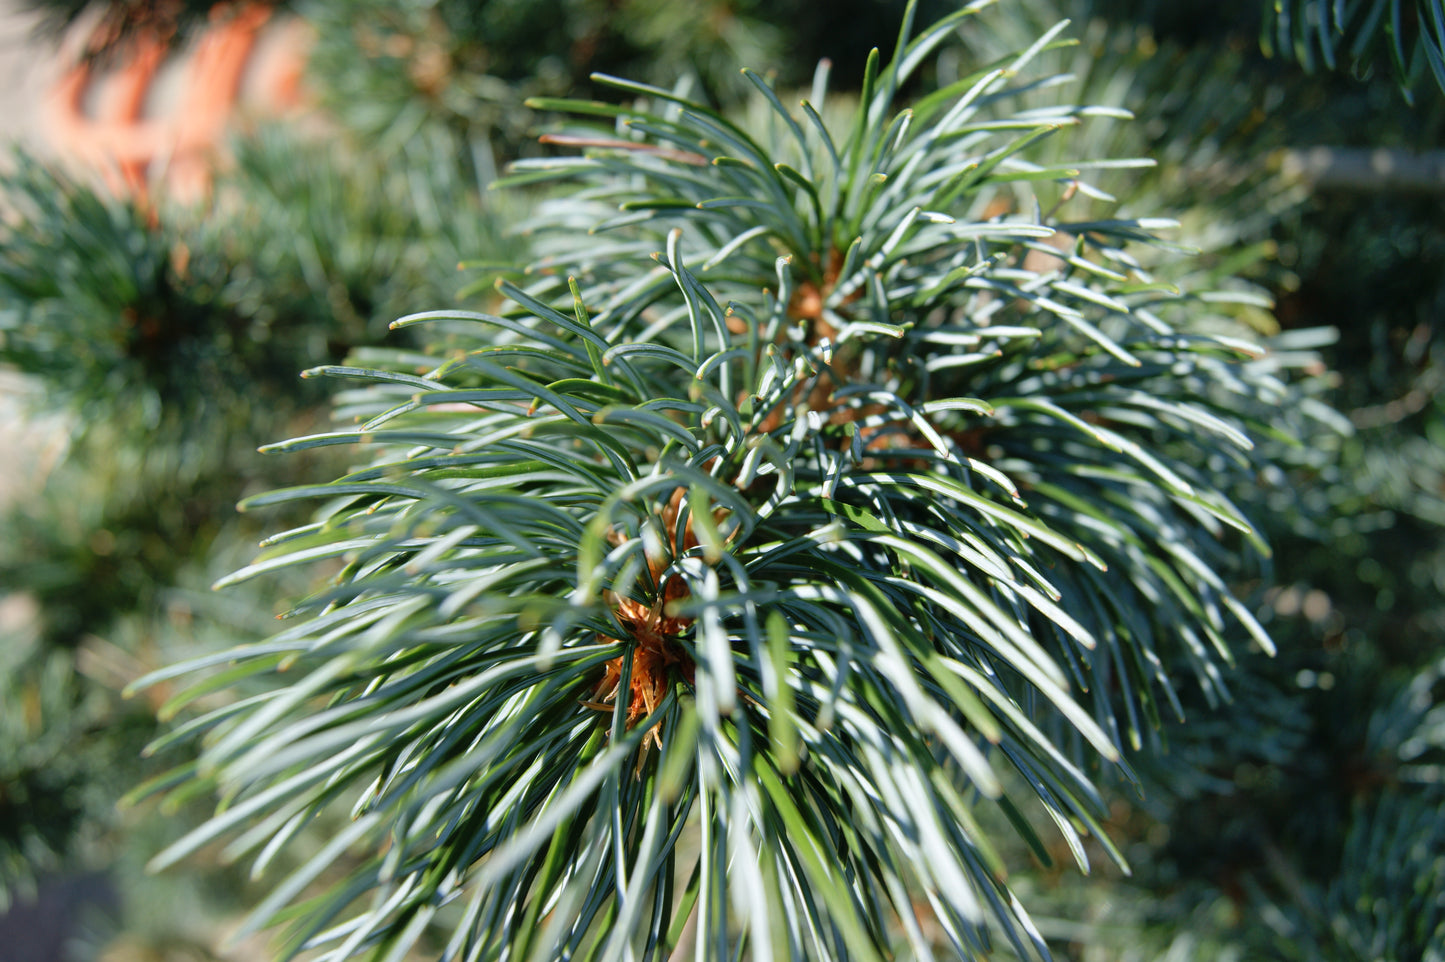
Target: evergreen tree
[(822, 482), (756, 515)]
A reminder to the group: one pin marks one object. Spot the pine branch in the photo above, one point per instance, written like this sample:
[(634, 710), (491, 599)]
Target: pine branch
[(1409, 37), (809, 478)]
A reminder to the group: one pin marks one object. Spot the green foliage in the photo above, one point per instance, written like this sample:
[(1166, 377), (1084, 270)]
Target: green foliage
[(1288, 822), (1198, 117), (1387, 50), (1387, 899), (48, 788), (828, 480), (1348, 823), (96, 540), (189, 331), (1260, 798), (1362, 615), (330, 241), (397, 70), (461, 70), (1387, 896), (171, 339), (104, 308), (450, 70), (1409, 37), (134, 315)]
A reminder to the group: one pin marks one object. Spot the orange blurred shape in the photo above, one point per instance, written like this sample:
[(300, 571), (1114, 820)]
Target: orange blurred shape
[(134, 152)]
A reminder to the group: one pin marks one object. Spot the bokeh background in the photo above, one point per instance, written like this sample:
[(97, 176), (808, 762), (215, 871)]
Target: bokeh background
[(205, 199)]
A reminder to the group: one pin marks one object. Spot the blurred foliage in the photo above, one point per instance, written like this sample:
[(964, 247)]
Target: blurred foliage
[(1406, 39), (1393, 46), (173, 339), (1263, 829), (390, 69), (120, 320)]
